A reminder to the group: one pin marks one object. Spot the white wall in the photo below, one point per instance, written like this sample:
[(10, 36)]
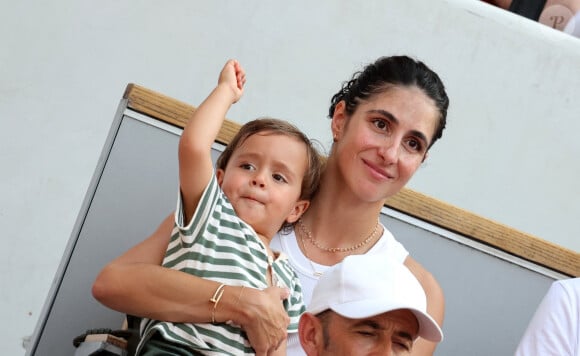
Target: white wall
[(509, 153)]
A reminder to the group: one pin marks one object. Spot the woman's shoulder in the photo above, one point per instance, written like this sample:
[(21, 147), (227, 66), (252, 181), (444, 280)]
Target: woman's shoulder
[(433, 291), (420, 272)]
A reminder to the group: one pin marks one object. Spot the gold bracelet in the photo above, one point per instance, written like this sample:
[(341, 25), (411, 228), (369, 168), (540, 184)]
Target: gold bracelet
[(240, 295), (215, 299)]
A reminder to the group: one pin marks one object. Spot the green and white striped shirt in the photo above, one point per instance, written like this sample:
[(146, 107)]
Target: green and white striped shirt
[(219, 246)]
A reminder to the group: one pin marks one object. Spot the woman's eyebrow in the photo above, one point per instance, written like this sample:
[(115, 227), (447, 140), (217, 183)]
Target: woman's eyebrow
[(384, 113)]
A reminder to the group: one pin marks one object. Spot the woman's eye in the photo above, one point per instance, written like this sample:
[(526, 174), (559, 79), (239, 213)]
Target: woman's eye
[(279, 178), (381, 124), (415, 145)]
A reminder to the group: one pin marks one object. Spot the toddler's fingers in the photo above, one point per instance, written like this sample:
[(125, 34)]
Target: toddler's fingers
[(241, 80)]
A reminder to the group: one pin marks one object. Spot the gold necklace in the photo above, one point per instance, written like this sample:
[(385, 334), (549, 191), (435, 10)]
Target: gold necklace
[(308, 234), (315, 273)]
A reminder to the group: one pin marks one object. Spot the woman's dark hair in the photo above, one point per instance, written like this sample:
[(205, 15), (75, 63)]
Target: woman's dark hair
[(386, 72), (270, 126)]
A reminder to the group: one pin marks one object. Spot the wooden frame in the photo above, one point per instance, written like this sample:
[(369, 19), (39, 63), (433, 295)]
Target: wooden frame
[(407, 201)]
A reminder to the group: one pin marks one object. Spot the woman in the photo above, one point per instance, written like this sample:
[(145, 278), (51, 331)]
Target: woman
[(383, 121)]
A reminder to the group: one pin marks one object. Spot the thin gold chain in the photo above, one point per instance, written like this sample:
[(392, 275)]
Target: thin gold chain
[(315, 273), (308, 234)]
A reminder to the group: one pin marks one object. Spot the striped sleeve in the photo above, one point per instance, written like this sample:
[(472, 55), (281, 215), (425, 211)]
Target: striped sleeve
[(294, 304)]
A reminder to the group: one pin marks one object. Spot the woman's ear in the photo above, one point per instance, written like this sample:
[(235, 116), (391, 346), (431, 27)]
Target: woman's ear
[(338, 120), (297, 211)]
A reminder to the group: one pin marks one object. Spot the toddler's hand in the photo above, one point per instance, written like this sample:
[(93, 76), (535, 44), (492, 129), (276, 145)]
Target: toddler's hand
[(234, 76)]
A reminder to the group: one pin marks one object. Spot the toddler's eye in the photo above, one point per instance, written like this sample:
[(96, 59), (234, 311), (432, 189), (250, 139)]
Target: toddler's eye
[(279, 178)]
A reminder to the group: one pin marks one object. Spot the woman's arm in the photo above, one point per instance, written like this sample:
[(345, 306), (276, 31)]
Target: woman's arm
[(435, 304), (135, 283)]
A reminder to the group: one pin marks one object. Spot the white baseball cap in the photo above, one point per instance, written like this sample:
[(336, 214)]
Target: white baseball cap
[(362, 286)]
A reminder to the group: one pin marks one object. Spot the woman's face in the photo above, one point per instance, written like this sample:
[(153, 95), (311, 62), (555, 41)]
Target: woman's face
[(379, 147)]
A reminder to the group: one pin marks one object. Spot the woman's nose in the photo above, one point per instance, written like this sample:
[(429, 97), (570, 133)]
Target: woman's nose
[(389, 151)]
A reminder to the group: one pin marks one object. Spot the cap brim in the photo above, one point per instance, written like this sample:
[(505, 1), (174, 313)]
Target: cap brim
[(428, 328)]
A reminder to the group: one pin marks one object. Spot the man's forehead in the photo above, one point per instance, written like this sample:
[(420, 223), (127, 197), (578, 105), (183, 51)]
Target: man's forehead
[(396, 321)]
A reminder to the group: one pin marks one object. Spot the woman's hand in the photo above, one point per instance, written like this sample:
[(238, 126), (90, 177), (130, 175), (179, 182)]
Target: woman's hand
[(263, 318)]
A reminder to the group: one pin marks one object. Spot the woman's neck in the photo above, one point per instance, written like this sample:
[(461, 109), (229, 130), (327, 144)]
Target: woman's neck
[(336, 217)]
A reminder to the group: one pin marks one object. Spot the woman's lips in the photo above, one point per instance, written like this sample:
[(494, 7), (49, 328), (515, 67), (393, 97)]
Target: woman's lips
[(377, 171)]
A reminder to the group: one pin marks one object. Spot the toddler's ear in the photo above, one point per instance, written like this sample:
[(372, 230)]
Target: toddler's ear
[(297, 211), (219, 173)]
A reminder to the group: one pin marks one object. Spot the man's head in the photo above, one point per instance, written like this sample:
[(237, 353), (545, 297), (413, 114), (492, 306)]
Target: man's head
[(366, 305)]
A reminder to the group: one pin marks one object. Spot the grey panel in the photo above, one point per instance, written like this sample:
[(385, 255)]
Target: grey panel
[(135, 190), (489, 300)]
